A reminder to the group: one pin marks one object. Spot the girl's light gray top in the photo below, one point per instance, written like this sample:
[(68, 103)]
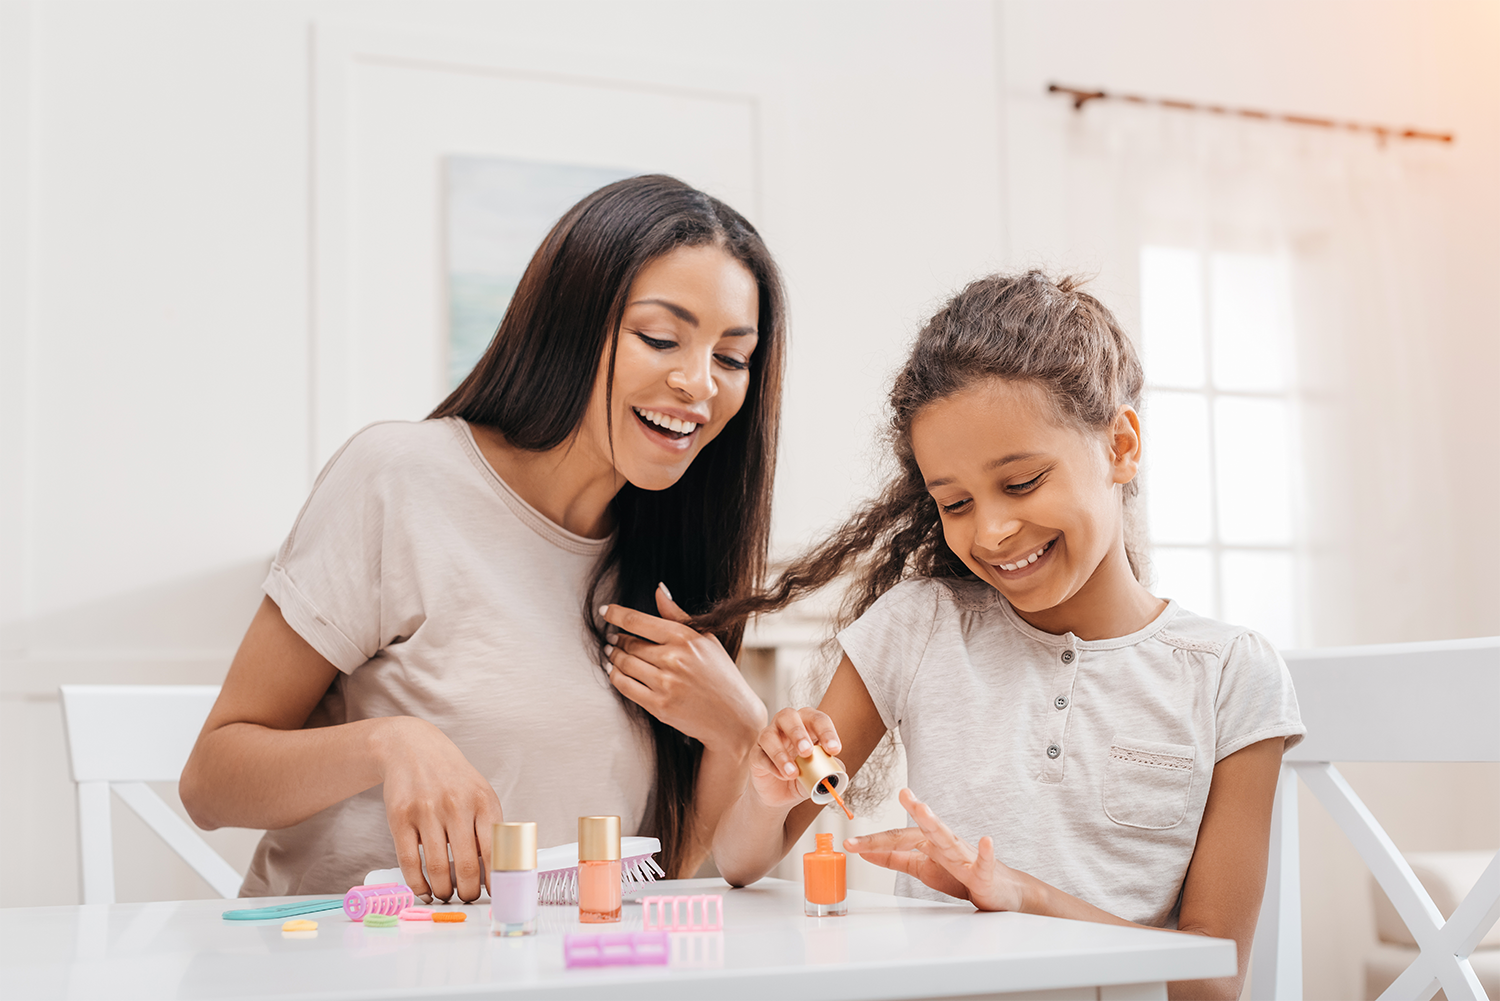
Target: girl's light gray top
[(1088, 762)]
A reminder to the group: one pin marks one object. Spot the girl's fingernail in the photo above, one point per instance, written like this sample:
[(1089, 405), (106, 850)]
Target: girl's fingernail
[(789, 768), (612, 638), (804, 748), (609, 651), (665, 590), (603, 609)]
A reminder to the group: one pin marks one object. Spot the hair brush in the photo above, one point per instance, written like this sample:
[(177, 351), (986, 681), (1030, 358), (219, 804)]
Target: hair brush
[(557, 870)]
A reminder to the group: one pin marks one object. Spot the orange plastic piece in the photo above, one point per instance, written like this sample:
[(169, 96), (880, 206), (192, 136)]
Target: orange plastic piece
[(452, 916)]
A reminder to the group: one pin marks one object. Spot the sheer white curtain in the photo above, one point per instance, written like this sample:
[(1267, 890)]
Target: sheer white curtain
[(1289, 283)]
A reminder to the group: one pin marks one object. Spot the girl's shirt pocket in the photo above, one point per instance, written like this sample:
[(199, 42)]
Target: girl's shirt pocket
[(1148, 784)]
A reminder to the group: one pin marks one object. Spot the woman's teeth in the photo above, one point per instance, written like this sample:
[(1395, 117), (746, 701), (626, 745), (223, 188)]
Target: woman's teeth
[(1028, 560), (669, 423)]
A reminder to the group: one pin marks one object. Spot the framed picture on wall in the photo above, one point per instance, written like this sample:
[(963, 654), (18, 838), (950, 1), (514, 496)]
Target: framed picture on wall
[(496, 213)]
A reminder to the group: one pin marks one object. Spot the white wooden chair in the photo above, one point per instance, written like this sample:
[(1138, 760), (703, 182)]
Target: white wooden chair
[(1400, 702), (119, 738)]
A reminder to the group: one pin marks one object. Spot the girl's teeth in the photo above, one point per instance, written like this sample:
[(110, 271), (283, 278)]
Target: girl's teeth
[(1027, 561)]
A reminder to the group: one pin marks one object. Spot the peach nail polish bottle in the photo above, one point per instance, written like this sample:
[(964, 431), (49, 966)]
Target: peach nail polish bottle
[(598, 869), (823, 880)]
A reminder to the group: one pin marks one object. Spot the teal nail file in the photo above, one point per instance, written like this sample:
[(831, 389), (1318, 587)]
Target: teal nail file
[(284, 910)]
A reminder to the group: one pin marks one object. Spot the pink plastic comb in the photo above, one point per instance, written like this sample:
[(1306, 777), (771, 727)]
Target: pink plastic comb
[(704, 912), (619, 948), (382, 898)]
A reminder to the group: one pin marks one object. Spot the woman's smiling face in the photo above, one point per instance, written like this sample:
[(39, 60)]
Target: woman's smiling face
[(682, 363), (1031, 505)]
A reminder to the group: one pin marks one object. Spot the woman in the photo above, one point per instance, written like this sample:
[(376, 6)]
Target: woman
[(428, 655)]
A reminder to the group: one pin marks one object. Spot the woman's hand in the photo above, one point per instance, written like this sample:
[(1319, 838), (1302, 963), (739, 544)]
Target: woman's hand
[(791, 735), (436, 799), (943, 860), (682, 677)]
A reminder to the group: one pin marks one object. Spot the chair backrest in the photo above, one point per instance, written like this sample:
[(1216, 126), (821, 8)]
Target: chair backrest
[(119, 738), (1435, 701)]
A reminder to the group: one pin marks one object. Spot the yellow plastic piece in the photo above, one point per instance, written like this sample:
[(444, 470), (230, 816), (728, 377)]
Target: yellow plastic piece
[(300, 924)]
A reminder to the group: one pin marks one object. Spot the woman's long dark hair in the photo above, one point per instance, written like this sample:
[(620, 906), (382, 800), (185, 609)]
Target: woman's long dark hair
[(706, 535)]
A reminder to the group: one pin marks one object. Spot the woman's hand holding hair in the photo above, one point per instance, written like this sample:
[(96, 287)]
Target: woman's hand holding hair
[(683, 677), (791, 735), (436, 799), (943, 860), (687, 680)]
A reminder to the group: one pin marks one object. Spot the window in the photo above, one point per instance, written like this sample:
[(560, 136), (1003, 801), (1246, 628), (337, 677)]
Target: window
[(1219, 481)]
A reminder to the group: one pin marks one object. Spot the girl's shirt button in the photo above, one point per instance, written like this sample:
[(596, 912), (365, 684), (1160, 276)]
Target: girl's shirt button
[(1067, 656), (1061, 702), (1053, 750)]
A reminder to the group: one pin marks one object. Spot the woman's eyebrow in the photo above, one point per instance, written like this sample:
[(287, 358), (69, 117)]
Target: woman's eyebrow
[(683, 314), (688, 316)]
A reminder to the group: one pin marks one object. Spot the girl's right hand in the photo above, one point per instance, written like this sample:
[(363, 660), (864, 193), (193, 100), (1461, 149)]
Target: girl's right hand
[(434, 798), (791, 735)]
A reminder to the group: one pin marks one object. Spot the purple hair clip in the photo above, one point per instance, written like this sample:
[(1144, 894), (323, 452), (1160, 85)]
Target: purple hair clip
[(641, 948)]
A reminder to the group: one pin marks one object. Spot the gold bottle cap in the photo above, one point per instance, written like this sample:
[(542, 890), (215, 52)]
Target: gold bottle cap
[(513, 847), (598, 839), (819, 771)]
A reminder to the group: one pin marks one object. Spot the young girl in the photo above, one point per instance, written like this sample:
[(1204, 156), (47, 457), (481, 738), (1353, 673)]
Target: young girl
[(1078, 747)]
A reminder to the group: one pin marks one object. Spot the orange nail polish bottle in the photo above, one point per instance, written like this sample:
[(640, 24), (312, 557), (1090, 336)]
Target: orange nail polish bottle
[(598, 869), (823, 880)]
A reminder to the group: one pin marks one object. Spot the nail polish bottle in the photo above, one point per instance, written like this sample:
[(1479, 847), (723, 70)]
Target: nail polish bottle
[(598, 869), (513, 879), (823, 880)]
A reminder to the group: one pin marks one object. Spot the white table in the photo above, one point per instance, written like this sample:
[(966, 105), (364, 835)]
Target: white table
[(886, 947)]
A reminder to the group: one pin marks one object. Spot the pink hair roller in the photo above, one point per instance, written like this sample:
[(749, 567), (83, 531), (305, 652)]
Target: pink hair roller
[(382, 898)]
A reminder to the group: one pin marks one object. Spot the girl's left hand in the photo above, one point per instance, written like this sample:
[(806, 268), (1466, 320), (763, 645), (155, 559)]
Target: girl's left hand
[(682, 677), (943, 860)]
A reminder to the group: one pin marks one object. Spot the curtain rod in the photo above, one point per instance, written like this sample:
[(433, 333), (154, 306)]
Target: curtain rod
[(1080, 97)]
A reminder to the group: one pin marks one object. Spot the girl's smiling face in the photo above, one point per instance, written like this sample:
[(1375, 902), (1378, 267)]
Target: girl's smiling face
[(1032, 505), (682, 364)]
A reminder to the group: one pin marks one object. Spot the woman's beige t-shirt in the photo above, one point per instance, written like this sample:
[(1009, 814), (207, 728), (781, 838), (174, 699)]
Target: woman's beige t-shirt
[(1088, 761), (439, 593)]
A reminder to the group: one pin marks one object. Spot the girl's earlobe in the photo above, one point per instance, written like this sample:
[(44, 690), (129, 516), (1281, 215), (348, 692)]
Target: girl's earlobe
[(1125, 445)]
